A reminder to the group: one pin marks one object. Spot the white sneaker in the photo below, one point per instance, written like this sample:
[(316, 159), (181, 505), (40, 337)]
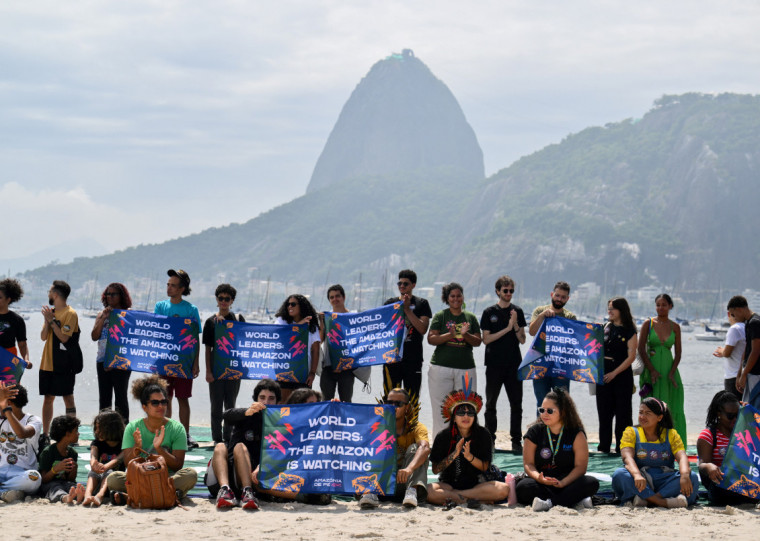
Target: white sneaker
[(678, 501), (541, 505), (410, 497), (10, 496), (369, 501), (587, 503)]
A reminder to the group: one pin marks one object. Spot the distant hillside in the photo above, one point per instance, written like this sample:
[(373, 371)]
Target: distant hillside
[(400, 119), (669, 199)]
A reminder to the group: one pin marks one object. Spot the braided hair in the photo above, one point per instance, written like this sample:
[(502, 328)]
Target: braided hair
[(719, 401)]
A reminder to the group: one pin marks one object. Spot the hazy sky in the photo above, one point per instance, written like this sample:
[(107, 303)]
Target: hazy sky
[(135, 122)]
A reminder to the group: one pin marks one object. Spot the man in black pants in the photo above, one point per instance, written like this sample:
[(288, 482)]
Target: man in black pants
[(503, 326), (408, 372)]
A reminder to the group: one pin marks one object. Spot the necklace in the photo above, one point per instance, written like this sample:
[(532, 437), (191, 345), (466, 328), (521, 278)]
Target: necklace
[(554, 447)]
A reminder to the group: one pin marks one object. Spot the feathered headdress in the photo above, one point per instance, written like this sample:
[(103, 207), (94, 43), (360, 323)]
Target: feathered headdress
[(464, 396)]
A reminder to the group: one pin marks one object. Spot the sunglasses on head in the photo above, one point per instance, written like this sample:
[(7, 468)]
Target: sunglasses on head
[(292, 304), (224, 298), (156, 403), (549, 411), (395, 403), (467, 412)]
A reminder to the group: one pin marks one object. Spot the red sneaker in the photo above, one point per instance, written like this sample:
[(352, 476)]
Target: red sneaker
[(249, 501), (225, 498)]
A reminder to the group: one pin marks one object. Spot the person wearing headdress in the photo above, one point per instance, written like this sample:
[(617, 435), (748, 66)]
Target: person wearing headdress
[(462, 455), (412, 452), (555, 457), (650, 451)]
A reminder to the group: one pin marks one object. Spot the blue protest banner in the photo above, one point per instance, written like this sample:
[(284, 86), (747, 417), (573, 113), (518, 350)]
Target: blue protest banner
[(366, 338), (146, 342), (257, 351), (568, 349), (329, 447), (11, 367), (741, 465)]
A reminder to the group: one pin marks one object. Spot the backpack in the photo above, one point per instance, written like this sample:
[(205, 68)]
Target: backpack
[(148, 483), (67, 358)]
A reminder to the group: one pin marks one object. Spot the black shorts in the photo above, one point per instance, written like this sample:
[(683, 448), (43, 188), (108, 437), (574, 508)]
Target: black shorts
[(56, 384), (213, 485)]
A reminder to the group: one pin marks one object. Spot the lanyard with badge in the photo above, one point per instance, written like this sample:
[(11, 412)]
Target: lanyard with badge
[(554, 447)]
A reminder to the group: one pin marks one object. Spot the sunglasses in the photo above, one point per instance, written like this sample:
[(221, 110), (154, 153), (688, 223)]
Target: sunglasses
[(224, 298), (292, 304), (731, 415), (403, 284), (112, 295), (507, 290), (549, 411), (468, 413), (156, 403), (395, 403)]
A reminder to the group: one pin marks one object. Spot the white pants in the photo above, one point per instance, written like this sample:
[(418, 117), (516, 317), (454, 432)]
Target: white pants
[(441, 381)]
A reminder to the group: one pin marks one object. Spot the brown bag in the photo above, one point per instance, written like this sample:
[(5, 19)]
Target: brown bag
[(148, 483)]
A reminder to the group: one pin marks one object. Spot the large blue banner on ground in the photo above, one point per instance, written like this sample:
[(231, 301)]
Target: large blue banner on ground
[(366, 338), (257, 351), (11, 367), (146, 342), (329, 447), (741, 465), (568, 349)]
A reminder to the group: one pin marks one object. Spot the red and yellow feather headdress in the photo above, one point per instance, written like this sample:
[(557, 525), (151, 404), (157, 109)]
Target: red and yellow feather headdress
[(466, 395)]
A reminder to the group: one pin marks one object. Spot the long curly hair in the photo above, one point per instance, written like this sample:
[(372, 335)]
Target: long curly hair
[(305, 308), (144, 387), (12, 289), (719, 401), (108, 425), (568, 413), (125, 301)]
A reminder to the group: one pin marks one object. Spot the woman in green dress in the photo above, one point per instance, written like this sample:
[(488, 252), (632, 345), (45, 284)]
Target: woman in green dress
[(660, 378)]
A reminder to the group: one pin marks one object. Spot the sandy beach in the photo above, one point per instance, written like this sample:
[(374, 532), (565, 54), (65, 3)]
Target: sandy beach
[(344, 520)]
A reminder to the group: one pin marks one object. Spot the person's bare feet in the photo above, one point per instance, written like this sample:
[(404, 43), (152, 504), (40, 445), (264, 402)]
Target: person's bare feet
[(93, 501), (80, 490), (71, 496)]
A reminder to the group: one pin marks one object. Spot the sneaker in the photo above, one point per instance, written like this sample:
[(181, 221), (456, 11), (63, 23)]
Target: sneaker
[(541, 505), (639, 502), (678, 501), (410, 497), (249, 501), (586, 503), (10, 496), (369, 501), (191, 443), (225, 498)]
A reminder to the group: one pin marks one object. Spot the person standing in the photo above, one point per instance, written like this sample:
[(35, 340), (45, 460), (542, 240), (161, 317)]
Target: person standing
[(732, 353), (222, 393), (613, 399), (111, 382), (748, 377), (12, 325), (177, 287), (503, 327), (297, 309), (417, 314), (61, 322), (657, 337), (559, 295), (453, 332), (328, 379)]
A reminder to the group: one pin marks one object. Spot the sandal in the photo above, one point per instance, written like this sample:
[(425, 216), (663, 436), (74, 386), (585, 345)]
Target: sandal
[(118, 498), (449, 505)]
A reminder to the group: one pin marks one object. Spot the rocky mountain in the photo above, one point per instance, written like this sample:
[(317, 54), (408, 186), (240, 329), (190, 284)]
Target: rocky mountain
[(399, 119), (669, 199)]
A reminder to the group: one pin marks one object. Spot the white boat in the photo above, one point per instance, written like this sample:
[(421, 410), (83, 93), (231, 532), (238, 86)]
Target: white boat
[(711, 334)]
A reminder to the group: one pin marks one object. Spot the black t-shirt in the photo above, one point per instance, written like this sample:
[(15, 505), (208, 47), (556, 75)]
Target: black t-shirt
[(12, 329), (246, 430), (209, 329), (413, 343), (564, 459), (616, 345), (460, 474), (752, 332), (505, 350), (106, 452)]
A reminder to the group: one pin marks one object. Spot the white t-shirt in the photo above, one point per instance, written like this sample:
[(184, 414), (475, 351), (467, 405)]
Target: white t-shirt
[(21, 452), (313, 336), (734, 337)]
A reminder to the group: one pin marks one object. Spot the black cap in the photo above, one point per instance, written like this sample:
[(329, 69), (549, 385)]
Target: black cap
[(182, 275)]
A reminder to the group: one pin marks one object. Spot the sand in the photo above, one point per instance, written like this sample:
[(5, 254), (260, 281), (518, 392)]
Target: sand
[(37, 519)]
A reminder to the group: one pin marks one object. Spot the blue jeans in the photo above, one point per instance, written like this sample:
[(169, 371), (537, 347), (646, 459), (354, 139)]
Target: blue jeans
[(17, 478), (541, 387), (666, 483)]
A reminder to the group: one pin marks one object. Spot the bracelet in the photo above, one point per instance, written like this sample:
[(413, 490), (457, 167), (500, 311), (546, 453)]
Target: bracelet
[(8, 408), (473, 458), (312, 373)]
